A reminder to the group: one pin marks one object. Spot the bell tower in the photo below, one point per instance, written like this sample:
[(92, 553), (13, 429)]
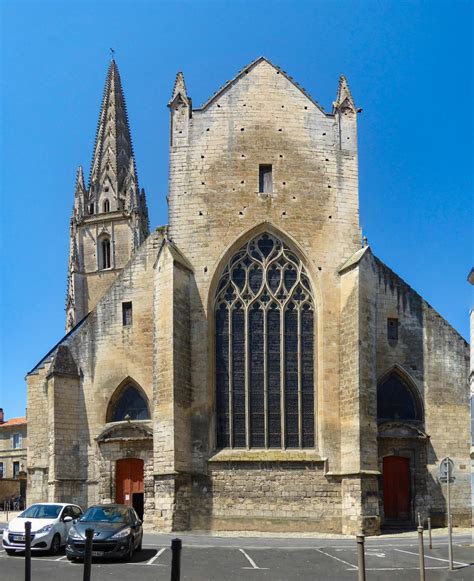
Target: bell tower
[(110, 217)]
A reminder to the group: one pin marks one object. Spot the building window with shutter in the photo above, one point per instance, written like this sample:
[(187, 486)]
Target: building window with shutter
[(265, 179), (16, 441), (2, 470), (16, 469)]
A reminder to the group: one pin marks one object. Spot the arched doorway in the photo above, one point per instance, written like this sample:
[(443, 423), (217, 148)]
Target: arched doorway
[(396, 488), (129, 483)]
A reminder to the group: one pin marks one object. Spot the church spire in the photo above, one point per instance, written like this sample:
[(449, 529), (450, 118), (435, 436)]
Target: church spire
[(113, 151), (110, 218)]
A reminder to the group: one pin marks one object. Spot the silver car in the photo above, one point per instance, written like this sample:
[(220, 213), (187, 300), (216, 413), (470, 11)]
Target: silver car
[(50, 524)]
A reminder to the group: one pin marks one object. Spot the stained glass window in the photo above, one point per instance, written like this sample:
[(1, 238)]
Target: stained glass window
[(396, 400), (130, 403), (264, 349)]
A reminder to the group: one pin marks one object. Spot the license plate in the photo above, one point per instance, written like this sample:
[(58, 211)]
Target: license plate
[(97, 553), (19, 538)]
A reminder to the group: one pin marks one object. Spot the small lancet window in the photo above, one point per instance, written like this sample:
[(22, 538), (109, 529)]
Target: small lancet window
[(265, 179), (106, 206), (105, 253), (127, 314), (91, 209), (131, 404), (392, 329)]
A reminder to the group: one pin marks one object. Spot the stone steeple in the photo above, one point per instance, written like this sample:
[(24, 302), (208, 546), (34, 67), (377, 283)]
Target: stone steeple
[(110, 217)]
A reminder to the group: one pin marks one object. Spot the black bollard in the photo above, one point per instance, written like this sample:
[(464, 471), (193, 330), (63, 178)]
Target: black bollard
[(361, 557), (175, 559), (27, 550), (429, 532), (88, 555)]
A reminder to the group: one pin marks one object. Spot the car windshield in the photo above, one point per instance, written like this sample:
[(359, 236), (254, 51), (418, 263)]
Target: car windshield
[(50, 511), (106, 514)]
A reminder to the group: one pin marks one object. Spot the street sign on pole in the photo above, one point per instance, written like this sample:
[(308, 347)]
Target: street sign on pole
[(446, 470), (446, 467)]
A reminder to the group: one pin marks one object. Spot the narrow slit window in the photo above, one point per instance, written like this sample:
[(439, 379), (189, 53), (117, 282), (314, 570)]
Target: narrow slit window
[(392, 329), (105, 249), (106, 206), (91, 209), (265, 179), (127, 314)]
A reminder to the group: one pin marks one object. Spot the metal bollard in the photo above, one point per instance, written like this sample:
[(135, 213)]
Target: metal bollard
[(175, 559), (27, 550), (361, 557), (88, 555), (421, 553), (429, 532)]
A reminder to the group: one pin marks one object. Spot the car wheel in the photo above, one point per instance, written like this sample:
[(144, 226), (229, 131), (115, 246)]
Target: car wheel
[(55, 545), (131, 551), (10, 551), (71, 558)]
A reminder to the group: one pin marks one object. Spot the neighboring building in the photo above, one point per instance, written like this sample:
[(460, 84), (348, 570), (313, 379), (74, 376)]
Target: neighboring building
[(13, 445), (251, 365), (470, 278)]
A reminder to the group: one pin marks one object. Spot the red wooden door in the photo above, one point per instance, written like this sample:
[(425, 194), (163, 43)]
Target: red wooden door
[(129, 479), (396, 487)]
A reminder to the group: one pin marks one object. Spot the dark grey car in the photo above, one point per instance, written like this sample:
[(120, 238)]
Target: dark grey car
[(118, 532)]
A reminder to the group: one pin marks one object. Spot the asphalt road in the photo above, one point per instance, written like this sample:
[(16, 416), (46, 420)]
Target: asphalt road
[(207, 558)]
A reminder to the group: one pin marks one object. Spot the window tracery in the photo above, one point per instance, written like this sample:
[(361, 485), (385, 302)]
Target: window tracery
[(130, 404), (264, 330)]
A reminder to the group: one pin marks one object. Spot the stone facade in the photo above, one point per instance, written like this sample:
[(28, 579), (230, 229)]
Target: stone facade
[(259, 126)]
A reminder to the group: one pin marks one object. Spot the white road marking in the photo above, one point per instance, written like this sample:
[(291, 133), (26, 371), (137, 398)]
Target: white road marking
[(61, 558), (153, 559), (354, 567), (251, 561), (434, 558), (398, 568)]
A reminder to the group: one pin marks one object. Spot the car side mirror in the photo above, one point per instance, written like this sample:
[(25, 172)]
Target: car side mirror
[(67, 519)]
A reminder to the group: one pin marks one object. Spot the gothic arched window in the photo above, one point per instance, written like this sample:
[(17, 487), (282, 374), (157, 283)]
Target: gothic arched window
[(396, 400), (104, 261), (264, 317), (129, 404), (106, 206)]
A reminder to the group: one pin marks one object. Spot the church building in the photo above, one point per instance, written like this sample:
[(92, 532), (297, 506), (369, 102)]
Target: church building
[(251, 365)]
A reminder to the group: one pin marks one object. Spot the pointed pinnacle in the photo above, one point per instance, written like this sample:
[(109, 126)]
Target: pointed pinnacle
[(80, 184), (179, 88), (344, 96)]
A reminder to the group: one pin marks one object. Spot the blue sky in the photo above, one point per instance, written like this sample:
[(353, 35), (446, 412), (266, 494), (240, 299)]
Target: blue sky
[(409, 65)]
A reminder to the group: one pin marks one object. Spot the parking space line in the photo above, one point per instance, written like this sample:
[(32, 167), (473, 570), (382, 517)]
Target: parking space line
[(251, 561), (435, 558), (153, 559), (61, 558), (354, 567)]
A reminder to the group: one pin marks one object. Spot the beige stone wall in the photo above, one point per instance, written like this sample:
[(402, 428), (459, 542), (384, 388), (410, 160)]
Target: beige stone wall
[(286, 496), (92, 282), (215, 206), (436, 359)]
